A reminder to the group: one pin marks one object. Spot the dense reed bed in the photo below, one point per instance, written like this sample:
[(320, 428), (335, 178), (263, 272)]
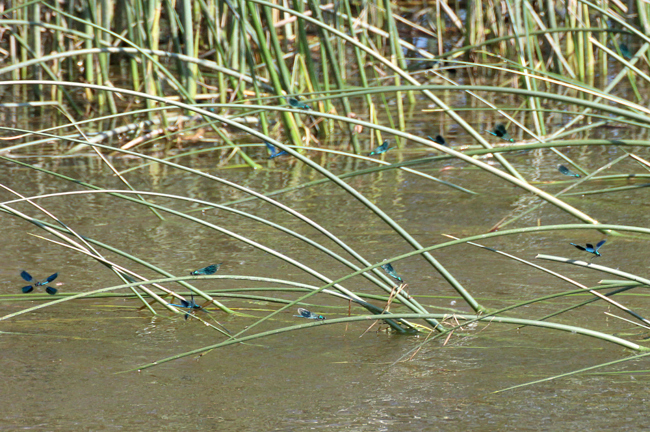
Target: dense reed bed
[(163, 82)]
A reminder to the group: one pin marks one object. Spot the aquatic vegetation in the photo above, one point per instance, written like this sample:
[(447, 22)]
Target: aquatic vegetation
[(204, 107)]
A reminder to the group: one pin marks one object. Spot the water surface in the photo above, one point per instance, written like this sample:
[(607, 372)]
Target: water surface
[(63, 368)]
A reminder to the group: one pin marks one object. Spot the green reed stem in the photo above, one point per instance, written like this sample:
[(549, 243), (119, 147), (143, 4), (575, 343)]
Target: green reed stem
[(336, 72), (276, 79), (190, 72)]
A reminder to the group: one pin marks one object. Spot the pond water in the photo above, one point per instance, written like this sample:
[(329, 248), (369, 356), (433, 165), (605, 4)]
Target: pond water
[(64, 367)]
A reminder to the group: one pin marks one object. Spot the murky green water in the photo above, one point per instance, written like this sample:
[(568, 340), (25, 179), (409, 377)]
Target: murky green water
[(62, 371)]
